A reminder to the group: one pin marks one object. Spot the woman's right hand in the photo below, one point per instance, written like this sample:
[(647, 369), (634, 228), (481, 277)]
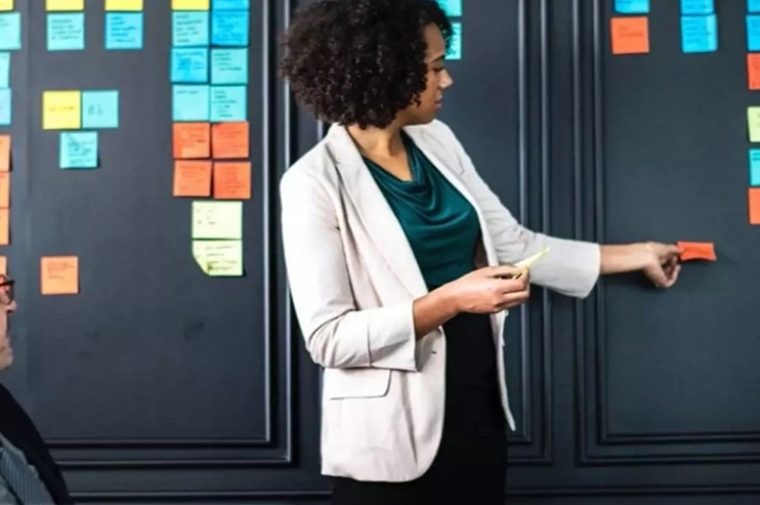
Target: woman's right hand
[(491, 289)]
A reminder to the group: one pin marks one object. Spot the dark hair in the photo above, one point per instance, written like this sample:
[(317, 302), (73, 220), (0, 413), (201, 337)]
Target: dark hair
[(360, 61)]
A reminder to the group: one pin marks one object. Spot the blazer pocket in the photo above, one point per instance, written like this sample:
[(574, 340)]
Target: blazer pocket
[(356, 383)]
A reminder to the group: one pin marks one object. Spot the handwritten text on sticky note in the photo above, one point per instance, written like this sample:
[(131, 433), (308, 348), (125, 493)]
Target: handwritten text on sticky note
[(630, 35), (191, 140), (59, 275), (219, 258), (192, 178), (61, 110), (217, 220)]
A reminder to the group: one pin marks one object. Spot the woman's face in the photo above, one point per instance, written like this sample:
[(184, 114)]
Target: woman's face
[(438, 79)]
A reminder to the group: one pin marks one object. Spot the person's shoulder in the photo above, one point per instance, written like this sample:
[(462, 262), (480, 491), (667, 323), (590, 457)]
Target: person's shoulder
[(437, 130), (314, 169)]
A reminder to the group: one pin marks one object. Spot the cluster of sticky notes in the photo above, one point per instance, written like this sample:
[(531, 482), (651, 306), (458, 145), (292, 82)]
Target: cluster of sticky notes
[(699, 26), (629, 29), (691, 251), (453, 9), (59, 275), (753, 112)]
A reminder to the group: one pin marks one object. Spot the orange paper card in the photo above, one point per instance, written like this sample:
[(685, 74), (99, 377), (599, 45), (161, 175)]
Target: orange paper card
[(4, 265), (753, 70), (630, 35), (697, 251), (59, 275), (5, 227), (5, 190), (232, 180), (230, 140), (754, 205), (191, 140), (192, 178), (5, 153)]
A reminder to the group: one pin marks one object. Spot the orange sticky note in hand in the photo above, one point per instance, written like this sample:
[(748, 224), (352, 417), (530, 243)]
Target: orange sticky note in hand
[(192, 178), (232, 180), (59, 275), (230, 140), (191, 140), (697, 251), (630, 35), (5, 153)]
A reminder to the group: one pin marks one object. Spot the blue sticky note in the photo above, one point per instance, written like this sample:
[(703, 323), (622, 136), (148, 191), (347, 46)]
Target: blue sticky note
[(230, 5), (632, 6), (451, 7), (5, 107), (697, 7), (229, 28), (190, 102), (5, 70), (100, 109), (189, 64), (753, 5), (699, 34), (753, 33), (229, 103), (78, 150), (229, 66), (455, 46), (65, 32), (754, 167), (10, 31), (124, 30), (190, 29)]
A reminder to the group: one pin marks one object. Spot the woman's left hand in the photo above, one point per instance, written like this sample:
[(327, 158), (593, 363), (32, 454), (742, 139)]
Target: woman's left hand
[(663, 267)]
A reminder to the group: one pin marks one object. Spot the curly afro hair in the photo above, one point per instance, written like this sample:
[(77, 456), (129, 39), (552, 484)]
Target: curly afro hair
[(360, 61)]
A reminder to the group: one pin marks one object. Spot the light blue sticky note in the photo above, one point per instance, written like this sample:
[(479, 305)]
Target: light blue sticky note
[(229, 103), (229, 28), (697, 7), (189, 65), (455, 47), (230, 5), (451, 7), (699, 34), (5, 70), (124, 30), (5, 107), (78, 150), (632, 6), (753, 5), (100, 109), (754, 167), (65, 32), (229, 66), (190, 29), (10, 31), (190, 102), (753, 33)]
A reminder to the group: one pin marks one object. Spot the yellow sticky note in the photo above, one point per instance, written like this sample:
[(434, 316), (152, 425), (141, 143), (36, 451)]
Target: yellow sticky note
[(61, 110), (190, 5), (219, 258), (753, 121), (6, 5), (124, 5), (217, 220), (64, 5)]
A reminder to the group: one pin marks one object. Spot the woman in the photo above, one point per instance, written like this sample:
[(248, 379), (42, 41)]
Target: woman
[(399, 259)]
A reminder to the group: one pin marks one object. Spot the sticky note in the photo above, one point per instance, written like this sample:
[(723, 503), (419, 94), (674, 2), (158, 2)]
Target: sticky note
[(189, 64), (232, 180), (190, 102), (191, 140), (454, 51), (697, 7), (217, 220), (100, 109), (64, 5), (5, 70), (452, 8), (229, 103), (753, 120), (61, 110), (5, 227), (192, 178), (4, 265), (754, 205), (699, 34), (5, 107), (632, 6), (754, 167), (230, 5), (78, 150), (697, 251), (65, 32), (219, 258), (229, 66), (5, 153), (5, 190), (10, 31), (124, 30), (124, 5), (59, 275), (229, 28), (6, 5), (753, 5), (190, 5), (753, 70), (753, 33), (630, 35), (190, 29), (230, 140)]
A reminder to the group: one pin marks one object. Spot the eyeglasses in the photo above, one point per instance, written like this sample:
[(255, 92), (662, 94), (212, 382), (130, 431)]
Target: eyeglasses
[(6, 290)]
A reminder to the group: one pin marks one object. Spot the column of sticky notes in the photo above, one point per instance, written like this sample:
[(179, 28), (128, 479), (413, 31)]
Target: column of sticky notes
[(453, 9), (211, 134), (629, 30), (753, 112)]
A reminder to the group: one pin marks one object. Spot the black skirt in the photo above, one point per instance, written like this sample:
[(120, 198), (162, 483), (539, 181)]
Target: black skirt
[(471, 462)]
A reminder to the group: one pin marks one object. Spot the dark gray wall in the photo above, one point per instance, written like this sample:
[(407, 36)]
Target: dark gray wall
[(156, 384)]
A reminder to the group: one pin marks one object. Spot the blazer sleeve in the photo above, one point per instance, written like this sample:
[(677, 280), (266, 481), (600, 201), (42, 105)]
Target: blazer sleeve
[(337, 334), (571, 267)]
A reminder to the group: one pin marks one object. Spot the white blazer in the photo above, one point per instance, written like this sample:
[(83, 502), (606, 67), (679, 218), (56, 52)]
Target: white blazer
[(353, 279)]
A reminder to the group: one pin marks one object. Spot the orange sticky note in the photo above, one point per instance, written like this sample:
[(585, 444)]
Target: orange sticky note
[(753, 70), (5, 190), (59, 275), (230, 140), (192, 178), (697, 251), (232, 180), (5, 227), (754, 205), (4, 265), (191, 140), (630, 35), (5, 153)]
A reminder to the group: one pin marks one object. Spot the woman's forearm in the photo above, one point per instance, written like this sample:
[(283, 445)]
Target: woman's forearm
[(433, 310), (625, 258)]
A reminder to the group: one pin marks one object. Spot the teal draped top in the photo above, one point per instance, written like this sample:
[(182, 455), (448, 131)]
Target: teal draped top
[(440, 224)]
